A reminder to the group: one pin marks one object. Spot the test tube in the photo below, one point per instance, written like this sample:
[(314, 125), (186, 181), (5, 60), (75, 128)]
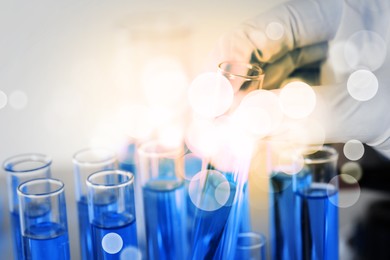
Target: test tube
[(161, 171), (19, 169), (85, 162), (282, 163), (43, 220), (316, 211), (112, 215), (250, 246)]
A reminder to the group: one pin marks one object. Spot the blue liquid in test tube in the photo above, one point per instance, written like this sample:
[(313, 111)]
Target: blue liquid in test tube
[(43, 220), (316, 198), (282, 224), (112, 215), (85, 162), (318, 217), (55, 245), (164, 214), (126, 162), (19, 169), (161, 170)]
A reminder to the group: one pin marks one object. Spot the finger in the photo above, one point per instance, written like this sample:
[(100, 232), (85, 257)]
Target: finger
[(277, 72)]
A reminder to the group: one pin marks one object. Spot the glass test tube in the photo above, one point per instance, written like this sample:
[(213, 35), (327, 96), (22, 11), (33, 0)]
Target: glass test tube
[(316, 211), (43, 220), (85, 162), (282, 163), (250, 246), (244, 78), (216, 227), (19, 169), (161, 176), (112, 215)]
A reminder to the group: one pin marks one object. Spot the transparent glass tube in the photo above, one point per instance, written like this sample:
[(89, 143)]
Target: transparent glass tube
[(161, 170), (43, 220), (19, 169), (282, 164), (316, 211), (112, 215), (85, 162), (244, 78), (251, 245)]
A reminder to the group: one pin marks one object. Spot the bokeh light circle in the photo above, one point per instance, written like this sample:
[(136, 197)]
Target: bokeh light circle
[(350, 191), (353, 150), (210, 94), (112, 243), (274, 31), (259, 112), (222, 193), (289, 163), (298, 100), (362, 85), (365, 49), (336, 57), (351, 169), (18, 100), (132, 253), (3, 99), (208, 190)]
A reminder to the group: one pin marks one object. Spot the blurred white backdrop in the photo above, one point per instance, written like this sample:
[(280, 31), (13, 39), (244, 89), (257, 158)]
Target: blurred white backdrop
[(63, 71)]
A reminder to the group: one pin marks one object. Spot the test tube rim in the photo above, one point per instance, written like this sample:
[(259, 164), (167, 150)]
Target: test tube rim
[(55, 192), (257, 235), (95, 185), (170, 152), (111, 158), (247, 65), (33, 157), (333, 155)]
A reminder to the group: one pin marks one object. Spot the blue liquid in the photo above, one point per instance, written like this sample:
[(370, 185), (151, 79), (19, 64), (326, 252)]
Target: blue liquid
[(84, 229), (165, 219), (127, 163), (123, 226), (192, 166), (46, 240), (317, 223), (210, 228), (282, 224), (245, 222), (16, 236)]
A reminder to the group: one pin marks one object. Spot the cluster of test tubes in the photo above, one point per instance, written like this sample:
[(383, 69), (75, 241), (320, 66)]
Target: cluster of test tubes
[(126, 210), (155, 202)]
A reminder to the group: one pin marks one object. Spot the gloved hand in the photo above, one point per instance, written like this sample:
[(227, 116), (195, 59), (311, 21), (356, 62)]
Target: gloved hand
[(348, 36)]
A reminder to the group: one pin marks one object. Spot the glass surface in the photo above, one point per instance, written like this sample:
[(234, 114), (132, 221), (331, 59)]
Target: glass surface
[(251, 246), (243, 76), (316, 211), (112, 213), (43, 219), (85, 162), (282, 224), (162, 169), (19, 169)]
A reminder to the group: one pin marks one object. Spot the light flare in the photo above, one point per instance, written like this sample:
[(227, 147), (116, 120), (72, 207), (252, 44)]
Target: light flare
[(210, 94), (297, 99)]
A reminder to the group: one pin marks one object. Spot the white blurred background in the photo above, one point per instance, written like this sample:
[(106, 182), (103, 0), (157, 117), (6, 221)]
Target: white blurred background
[(66, 67)]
